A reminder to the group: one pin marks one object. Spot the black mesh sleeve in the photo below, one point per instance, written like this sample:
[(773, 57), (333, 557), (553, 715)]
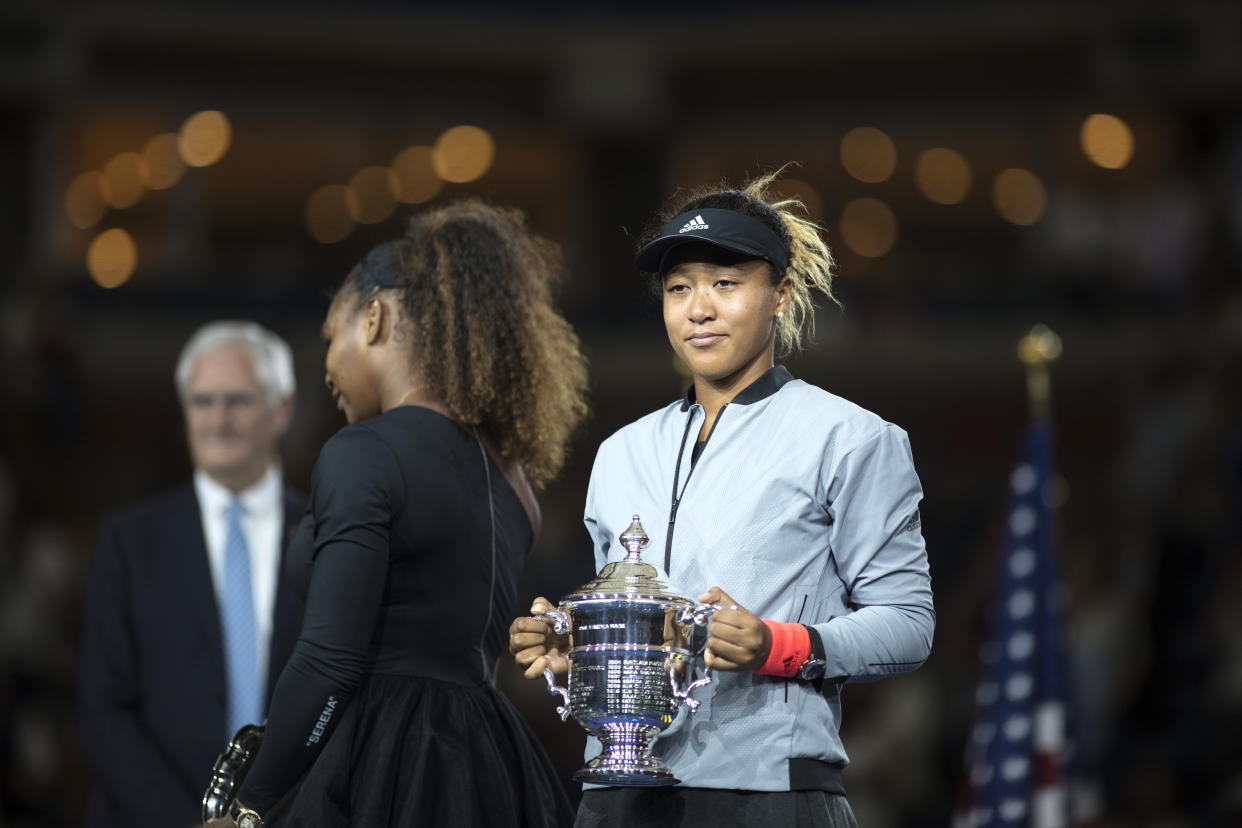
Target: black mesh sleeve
[(356, 488)]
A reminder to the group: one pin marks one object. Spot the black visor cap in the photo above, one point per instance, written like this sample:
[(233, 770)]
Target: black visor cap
[(725, 229)]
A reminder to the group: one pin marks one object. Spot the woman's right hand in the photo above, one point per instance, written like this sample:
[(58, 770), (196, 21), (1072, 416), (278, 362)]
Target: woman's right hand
[(535, 645)]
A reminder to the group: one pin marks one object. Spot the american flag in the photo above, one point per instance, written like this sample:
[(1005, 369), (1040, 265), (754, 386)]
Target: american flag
[(1017, 757)]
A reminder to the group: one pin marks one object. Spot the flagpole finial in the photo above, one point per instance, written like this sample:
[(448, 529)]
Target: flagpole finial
[(1037, 350)]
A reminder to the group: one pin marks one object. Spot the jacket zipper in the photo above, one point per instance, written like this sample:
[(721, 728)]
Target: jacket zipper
[(676, 498)]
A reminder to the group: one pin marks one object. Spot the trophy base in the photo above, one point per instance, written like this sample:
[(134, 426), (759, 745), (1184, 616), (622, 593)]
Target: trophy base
[(626, 758), (628, 777)]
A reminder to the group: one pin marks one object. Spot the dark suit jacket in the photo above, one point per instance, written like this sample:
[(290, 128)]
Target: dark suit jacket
[(151, 682)]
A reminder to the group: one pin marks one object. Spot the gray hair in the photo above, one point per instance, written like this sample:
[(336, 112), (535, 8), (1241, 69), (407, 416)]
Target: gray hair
[(269, 354)]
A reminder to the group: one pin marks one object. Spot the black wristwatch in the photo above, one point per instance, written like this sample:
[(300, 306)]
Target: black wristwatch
[(245, 817), (813, 668)]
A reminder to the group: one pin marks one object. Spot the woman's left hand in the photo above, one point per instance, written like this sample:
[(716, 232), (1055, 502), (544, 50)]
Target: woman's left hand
[(220, 822), (737, 639)]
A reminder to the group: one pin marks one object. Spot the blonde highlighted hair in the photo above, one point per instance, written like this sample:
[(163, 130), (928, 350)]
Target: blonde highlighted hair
[(811, 266)]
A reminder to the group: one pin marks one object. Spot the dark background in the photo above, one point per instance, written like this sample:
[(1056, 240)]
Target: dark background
[(599, 113)]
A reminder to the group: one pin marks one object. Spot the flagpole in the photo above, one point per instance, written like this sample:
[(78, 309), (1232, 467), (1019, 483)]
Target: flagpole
[(1016, 759), (1051, 805), (1038, 350)]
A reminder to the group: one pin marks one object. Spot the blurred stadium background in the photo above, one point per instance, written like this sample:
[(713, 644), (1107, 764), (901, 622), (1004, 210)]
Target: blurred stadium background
[(979, 168)]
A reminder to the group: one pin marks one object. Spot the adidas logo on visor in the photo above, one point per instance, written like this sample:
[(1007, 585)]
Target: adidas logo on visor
[(695, 223)]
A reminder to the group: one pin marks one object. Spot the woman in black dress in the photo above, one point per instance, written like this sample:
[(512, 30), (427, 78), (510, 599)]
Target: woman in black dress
[(462, 385)]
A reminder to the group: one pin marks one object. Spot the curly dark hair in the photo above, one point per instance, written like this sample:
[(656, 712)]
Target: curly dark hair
[(811, 266), (476, 289)]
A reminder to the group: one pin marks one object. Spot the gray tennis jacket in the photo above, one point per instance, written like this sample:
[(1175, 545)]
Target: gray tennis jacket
[(803, 507)]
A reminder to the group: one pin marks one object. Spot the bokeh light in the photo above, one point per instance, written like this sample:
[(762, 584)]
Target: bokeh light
[(327, 214), (1019, 196), (1107, 141), (942, 175), (463, 153), (869, 227), (415, 176), (1039, 347), (162, 164), (868, 154), (112, 258), (123, 183), (204, 138), (369, 197), (84, 202)]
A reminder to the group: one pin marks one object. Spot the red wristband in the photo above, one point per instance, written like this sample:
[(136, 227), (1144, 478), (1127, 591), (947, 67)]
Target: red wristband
[(791, 646)]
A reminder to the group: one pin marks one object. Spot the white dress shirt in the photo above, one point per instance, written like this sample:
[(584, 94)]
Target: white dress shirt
[(263, 520)]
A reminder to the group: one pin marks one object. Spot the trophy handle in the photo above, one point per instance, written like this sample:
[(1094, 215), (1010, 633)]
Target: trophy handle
[(559, 619), (683, 696), (557, 690), (560, 625), (700, 615)]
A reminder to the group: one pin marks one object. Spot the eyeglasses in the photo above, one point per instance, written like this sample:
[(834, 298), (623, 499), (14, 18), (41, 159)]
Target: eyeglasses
[(231, 400)]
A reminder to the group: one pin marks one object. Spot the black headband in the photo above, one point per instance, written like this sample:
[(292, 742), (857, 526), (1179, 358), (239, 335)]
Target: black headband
[(723, 228), (381, 274)]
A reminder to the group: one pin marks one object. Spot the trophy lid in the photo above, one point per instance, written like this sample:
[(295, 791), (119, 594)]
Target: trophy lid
[(631, 577)]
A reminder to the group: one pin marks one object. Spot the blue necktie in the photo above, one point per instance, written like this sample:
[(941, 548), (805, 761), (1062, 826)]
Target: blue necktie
[(241, 652)]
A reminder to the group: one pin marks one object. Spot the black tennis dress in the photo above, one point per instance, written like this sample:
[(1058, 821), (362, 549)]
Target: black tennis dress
[(385, 715)]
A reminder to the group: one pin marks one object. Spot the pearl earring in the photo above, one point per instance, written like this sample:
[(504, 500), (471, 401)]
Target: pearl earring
[(780, 314)]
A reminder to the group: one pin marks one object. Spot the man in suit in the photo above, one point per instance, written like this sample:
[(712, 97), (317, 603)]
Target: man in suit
[(188, 619)]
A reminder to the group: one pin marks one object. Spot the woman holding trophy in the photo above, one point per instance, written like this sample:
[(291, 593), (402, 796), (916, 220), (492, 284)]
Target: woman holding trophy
[(793, 511), (461, 384)]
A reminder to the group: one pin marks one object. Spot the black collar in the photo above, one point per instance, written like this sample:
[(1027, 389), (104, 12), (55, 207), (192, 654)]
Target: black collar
[(760, 389)]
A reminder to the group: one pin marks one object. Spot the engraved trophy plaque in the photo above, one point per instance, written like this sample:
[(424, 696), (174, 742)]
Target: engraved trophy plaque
[(629, 662)]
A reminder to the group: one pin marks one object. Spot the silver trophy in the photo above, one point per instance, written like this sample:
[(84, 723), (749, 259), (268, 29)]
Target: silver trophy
[(630, 660)]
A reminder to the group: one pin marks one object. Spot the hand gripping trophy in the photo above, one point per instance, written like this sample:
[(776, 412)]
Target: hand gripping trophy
[(629, 660)]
